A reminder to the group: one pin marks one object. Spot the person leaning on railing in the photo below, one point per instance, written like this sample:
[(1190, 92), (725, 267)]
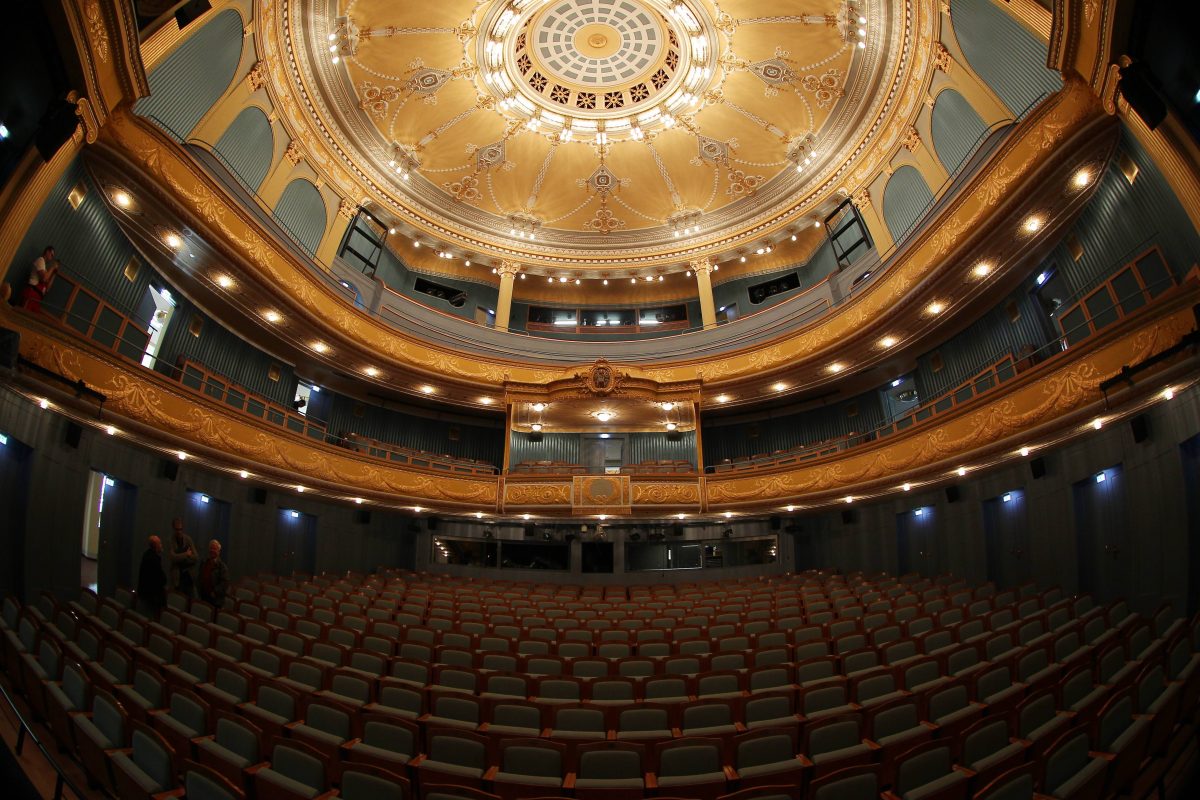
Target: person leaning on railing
[(41, 275)]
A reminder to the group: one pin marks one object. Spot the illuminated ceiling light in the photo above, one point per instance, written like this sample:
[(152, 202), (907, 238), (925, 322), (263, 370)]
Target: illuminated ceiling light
[(836, 367), (243, 474), (536, 427), (681, 516), (487, 401), (392, 231), (182, 456), (862, 20), (1097, 423), (1168, 393), (224, 281), (122, 199), (849, 498), (935, 308), (300, 489), (816, 223), (602, 517), (887, 341), (907, 487), (742, 259), (605, 281), (671, 426), (43, 404), (649, 278), (722, 398), (539, 406), (1007, 497), (418, 509), (272, 316), (1033, 224), (779, 387), (717, 267), (577, 281), (335, 59), (358, 501), (1042, 278), (791, 508), (1024, 451), (660, 277), (667, 406), (604, 416), (982, 269), (862, 45), (173, 241), (962, 472), (550, 279), (604, 436), (111, 430), (417, 245), (1082, 178), (320, 347), (633, 280), (478, 515), (427, 389), (728, 514), (371, 372), (687, 273), (793, 237), (562, 279)]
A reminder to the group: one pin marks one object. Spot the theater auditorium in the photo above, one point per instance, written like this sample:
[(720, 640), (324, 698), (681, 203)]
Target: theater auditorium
[(600, 399)]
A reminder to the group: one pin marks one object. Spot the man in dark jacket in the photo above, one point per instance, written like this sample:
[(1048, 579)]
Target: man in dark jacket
[(152, 580), (183, 558), (214, 576)]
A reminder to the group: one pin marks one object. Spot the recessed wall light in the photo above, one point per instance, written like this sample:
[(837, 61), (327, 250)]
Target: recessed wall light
[(300, 489), (173, 241), (935, 308), (836, 367), (243, 474), (427, 389), (1101, 477), (320, 347), (224, 281), (722, 398), (1082, 178), (982, 269), (487, 401), (536, 427), (791, 508), (962, 472), (1007, 498), (849, 498), (371, 372), (1024, 451), (906, 487), (1168, 393), (1033, 224), (272, 316), (111, 430), (122, 199), (358, 501), (478, 515), (43, 404), (887, 341), (671, 426), (182, 456), (779, 387)]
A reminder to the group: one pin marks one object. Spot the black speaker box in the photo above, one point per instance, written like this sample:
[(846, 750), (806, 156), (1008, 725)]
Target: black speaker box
[(190, 12), (1037, 468), (1140, 425), (258, 496), (431, 523), (776, 523), (1137, 87), (952, 494), (73, 434), (677, 530), (10, 347), (535, 436), (849, 516), (362, 516), (674, 436), (530, 531), (170, 470)]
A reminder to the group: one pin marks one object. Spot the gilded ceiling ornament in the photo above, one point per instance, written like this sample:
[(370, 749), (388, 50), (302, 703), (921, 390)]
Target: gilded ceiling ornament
[(427, 81), (601, 379), (97, 30), (862, 198), (293, 153), (347, 207), (911, 139), (375, 100), (941, 57), (742, 184), (605, 222), (490, 155), (773, 72), (826, 87), (257, 76), (465, 190)]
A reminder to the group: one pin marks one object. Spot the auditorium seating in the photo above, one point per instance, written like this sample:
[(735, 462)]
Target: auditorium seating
[(811, 685)]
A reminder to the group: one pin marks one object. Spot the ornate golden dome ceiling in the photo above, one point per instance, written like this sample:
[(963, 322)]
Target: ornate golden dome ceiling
[(597, 132)]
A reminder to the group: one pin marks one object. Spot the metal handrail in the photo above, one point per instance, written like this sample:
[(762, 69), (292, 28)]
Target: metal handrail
[(26, 730)]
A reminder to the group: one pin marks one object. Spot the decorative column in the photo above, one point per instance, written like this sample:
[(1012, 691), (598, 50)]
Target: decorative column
[(708, 312), (508, 272), (881, 237)]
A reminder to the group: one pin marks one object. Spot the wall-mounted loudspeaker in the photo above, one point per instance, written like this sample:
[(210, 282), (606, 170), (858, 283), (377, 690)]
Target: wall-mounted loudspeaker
[(535, 436), (258, 496), (849, 516), (362, 516), (73, 434), (1037, 468), (431, 523), (674, 436), (170, 470), (952, 494), (1140, 425), (776, 523), (677, 530), (530, 531)]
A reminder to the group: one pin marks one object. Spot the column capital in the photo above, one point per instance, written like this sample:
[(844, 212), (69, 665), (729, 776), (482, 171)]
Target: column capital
[(862, 198), (509, 268), (701, 265)]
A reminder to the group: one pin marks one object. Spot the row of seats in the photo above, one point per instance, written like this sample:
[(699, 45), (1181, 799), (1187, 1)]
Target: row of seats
[(880, 712)]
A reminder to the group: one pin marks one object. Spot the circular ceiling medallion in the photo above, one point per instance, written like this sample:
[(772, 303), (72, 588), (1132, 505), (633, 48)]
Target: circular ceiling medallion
[(594, 43)]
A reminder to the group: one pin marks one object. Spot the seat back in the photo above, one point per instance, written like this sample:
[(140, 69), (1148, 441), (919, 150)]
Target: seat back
[(923, 767), (299, 765)]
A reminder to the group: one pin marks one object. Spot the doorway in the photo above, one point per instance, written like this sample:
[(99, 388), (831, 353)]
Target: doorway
[(602, 453), (295, 542), (914, 542), (108, 533), (1006, 532), (164, 309), (14, 499), (1101, 535), (206, 518)]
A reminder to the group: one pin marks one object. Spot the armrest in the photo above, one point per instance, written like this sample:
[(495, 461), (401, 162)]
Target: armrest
[(490, 775), (804, 760), (872, 745), (730, 773), (1110, 757), (889, 795), (418, 760), (675, 732), (739, 727), (167, 795), (253, 768), (970, 773), (932, 726), (651, 781), (569, 781)]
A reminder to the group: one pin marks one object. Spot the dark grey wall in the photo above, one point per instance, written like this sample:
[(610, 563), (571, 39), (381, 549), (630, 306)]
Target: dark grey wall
[(396, 274), (429, 433), (57, 495), (810, 273), (1150, 491)]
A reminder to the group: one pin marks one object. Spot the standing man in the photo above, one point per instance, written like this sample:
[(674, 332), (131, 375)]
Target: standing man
[(182, 558), (214, 576), (152, 581), (41, 274)]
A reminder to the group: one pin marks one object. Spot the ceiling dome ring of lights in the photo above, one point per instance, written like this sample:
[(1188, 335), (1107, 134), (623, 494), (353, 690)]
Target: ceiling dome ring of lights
[(595, 71)]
